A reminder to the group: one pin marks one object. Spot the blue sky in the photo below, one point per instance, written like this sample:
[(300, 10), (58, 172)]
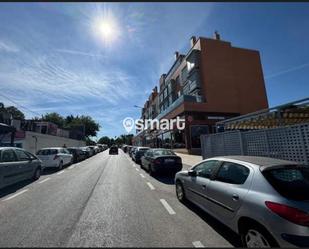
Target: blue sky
[(54, 56)]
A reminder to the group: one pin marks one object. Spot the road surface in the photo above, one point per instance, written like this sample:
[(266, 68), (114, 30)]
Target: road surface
[(106, 200)]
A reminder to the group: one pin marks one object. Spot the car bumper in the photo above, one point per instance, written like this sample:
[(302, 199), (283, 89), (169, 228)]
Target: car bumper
[(294, 240), (167, 168)]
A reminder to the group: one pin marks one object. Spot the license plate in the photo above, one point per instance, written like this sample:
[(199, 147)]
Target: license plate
[(169, 160)]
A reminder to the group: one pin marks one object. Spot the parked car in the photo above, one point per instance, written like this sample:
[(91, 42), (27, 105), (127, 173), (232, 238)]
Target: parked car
[(161, 161), (138, 153), (55, 157), (132, 150), (77, 153), (129, 148), (87, 151), (125, 148), (17, 165), (92, 150), (101, 147), (97, 149), (113, 150), (264, 200)]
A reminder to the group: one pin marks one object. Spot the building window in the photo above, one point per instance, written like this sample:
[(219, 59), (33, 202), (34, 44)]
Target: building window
[(184, 74), (190, 65)]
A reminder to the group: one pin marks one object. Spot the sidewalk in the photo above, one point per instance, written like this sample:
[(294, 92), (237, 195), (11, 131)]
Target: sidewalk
[(189, 160)]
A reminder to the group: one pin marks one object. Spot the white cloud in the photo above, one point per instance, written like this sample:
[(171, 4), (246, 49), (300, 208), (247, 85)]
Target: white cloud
[(8, 47)]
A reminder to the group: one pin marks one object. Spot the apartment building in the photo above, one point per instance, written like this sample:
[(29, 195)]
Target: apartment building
[(213, 81)]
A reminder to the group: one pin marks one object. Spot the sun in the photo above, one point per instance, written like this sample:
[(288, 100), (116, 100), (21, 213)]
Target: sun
[(106, 29)]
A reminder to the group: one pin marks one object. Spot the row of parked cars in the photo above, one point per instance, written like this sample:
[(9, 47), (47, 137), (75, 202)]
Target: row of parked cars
[(264, 200), (155, 160), (17, 164)]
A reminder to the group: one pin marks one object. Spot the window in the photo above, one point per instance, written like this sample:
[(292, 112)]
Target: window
[(47, 152), (232, 173), (8, 156), (32, 157), (66, 151), (292, 183), (164, 153), (190, 65), (184, 74), (206, 169), (178, 80), (22, 156)]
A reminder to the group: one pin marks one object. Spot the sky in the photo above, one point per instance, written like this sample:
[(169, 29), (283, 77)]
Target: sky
[(101, 59)]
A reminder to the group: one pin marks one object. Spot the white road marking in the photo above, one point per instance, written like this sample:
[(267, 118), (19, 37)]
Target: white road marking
[(197, 244), (13, 196), (45, 180), (59, 173), (142, 175), (137, 169), (167, 207), (150, 186)]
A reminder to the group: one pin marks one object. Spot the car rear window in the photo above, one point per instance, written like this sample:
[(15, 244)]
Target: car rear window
[(292, 183), (47, 152), (163, 153)]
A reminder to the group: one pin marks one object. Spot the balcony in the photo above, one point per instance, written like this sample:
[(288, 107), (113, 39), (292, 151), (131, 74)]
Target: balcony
[(176, 103)]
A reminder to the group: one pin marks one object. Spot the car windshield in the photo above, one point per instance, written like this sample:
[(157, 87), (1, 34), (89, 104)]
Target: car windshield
[(163, 153), (47, 152), (292, 183)]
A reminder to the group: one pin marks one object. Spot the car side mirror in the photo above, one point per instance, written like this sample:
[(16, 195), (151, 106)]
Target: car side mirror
[(192, 173)]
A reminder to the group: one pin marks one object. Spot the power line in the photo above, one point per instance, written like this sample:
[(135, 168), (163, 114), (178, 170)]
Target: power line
[(36, 113)]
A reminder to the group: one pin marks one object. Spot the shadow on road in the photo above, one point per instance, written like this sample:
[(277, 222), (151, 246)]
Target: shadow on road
[(50, 171), (220, 228), (166, 179), (14, 188)]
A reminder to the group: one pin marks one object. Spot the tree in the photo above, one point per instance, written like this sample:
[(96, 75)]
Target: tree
[(54, 118), (91, 127), (104, 140), (16, 113)]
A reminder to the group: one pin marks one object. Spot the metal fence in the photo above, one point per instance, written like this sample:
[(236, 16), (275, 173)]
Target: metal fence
[(289, 143)]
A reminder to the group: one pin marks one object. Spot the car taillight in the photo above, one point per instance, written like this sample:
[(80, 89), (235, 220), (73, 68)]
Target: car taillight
[(292, 214), (157, 161), (55, 157)]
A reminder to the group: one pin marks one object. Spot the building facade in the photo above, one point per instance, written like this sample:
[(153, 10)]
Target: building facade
[(213, 81)]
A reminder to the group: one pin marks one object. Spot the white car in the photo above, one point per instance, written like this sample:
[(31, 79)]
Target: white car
[(55, 157)]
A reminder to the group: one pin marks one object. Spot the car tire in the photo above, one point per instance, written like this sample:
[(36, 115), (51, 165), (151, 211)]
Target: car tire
[(37, 174), (180, 193), (255, 235), (60, 166)]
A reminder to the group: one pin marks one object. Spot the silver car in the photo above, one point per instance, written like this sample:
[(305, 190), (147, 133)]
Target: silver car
[(17, 165), (264, 200)]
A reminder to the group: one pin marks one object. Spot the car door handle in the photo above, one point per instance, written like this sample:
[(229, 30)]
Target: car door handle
[(203, 186), (235, 197)]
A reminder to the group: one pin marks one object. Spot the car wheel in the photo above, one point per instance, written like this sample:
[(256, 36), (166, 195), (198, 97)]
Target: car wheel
[(257, 236), (60, 167), (37, 174), (180, 193)]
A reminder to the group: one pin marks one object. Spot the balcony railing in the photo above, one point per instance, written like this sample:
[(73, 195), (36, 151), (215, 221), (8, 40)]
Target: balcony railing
[(176, 103)]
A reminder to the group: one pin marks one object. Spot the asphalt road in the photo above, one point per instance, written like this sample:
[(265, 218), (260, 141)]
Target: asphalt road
[(106, 200)]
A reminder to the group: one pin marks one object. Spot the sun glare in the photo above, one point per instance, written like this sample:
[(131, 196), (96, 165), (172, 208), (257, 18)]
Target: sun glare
[(106, 29)]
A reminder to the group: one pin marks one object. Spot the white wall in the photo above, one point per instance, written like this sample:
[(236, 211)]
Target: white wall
[(44, 140)]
